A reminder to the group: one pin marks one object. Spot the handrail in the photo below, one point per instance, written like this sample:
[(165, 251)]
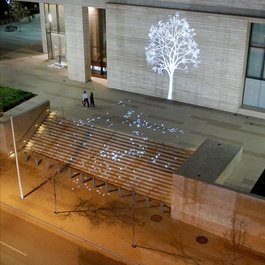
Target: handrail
[(30, 128), (39, 138)]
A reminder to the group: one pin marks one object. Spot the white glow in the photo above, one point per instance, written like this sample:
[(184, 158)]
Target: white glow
[(50, 17), (172, 47), (102, 158)]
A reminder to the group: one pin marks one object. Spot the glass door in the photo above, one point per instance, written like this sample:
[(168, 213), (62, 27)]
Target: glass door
[(55, 32)]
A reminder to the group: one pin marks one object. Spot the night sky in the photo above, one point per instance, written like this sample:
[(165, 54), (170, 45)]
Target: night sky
[(4, 6)]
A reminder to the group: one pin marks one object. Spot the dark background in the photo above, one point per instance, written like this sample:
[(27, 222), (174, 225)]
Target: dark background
[(29, 5)]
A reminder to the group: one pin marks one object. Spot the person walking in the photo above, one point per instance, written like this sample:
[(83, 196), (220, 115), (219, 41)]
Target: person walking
[(92, 103), (85, 99)]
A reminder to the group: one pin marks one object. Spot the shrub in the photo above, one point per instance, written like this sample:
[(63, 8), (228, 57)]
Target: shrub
[(11, 97)]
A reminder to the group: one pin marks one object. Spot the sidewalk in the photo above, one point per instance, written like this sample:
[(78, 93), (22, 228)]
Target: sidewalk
[(195, 124), (167, 241)]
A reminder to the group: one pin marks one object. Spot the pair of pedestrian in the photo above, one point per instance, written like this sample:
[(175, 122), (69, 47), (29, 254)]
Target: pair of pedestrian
[(86, 101)]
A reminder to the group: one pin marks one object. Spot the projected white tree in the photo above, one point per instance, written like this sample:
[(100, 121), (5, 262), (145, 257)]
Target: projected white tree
[(171, 47)]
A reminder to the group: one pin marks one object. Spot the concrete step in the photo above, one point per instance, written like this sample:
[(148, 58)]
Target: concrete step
[(120, 159)]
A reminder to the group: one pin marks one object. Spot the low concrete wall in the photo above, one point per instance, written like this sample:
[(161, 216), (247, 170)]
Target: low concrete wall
[(27, 117), (212, 162), (211, 207), (199, 199)]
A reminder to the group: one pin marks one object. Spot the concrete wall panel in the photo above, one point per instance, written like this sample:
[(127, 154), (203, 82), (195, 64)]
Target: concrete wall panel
[(222, 41), (27, 118), (212, 208), (80, 3), (245, 7), (77, 43)]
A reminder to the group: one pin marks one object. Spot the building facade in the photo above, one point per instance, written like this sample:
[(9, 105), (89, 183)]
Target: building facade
[(108, 38)]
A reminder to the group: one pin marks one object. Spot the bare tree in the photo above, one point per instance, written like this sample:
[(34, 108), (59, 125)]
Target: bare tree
[(18, 11), (183, 253), (109, 212), (237, 238), (53, 176), (172, 47)]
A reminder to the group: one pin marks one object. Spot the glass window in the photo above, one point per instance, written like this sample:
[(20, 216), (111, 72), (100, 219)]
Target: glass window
[(47, 23), (61, 23), (254, 91), (255, 62), (52, 17), (258, 35), (263, 77), (55, 29), (256, 54)]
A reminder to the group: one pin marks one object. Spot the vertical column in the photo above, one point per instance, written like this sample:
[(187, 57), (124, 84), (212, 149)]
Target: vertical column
[(77, 42), (43, 28)]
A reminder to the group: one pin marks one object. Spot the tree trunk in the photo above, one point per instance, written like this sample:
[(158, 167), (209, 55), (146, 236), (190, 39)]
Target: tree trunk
[(55, 199), (170, 87)]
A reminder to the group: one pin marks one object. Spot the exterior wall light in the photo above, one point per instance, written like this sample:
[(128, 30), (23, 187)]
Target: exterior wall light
[(50, 17)]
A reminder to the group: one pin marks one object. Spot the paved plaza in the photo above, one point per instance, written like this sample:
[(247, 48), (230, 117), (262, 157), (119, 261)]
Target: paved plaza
[(24, 66)]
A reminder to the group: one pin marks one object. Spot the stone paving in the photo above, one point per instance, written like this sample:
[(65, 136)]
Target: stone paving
[(24, 66)]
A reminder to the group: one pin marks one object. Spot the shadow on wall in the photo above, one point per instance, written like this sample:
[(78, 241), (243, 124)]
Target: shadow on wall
[(25, 122)]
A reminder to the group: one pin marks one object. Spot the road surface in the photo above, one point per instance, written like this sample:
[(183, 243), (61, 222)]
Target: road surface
[(26, 243)]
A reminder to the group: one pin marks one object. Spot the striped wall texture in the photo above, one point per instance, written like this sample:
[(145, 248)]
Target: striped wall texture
[(249, 6), (217, 83), (193, 202), (253, 7), (222, 29)]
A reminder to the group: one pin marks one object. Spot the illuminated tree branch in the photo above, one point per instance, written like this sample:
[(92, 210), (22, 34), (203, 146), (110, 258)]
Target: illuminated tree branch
[(172, 47)]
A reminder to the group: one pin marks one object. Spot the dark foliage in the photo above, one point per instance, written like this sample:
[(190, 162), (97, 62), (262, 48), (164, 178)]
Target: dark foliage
[(10, 97)]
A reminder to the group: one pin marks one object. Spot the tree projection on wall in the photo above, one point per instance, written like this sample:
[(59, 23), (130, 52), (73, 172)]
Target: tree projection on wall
[(172, 47)]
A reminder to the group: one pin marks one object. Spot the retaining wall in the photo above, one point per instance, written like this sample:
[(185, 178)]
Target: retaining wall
[(26, 119)]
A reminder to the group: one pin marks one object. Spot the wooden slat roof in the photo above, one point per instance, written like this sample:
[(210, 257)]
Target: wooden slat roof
[(121, 159)]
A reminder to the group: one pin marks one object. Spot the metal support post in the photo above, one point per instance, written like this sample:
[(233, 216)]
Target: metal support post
[(16, 155), (82, 176), (47, 165), (36, 161), (161, 207), (120, 191), (26, 157), (58, 168), (133, 195), (147, 199), (107, 186), (94, 182)]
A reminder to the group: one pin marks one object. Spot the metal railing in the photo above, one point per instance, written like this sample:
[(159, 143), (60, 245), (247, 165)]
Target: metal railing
[(32, 128), (55, 115)]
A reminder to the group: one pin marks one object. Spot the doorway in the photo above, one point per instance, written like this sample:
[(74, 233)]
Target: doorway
[(98, 46), (55, 32)]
